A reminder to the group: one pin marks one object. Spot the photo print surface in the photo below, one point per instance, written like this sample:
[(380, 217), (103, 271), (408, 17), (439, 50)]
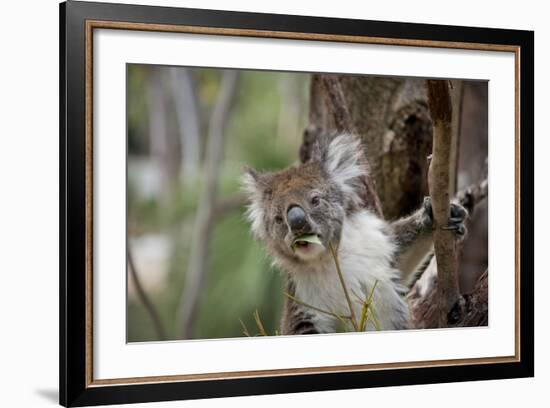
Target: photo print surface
[(266, 203)]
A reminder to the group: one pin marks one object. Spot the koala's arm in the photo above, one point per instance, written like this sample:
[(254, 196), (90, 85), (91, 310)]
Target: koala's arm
[(413, 235), (296, 319)]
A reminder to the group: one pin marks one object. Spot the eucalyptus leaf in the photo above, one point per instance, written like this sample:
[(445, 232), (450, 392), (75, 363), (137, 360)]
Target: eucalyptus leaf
[(309, 238)]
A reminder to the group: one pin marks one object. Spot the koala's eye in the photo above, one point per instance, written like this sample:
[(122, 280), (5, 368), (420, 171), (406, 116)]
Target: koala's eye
[(278, 219), (315, 200)]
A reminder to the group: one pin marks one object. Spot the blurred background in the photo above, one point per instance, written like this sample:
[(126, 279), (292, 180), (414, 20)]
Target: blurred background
[(190, 132), (194, 270)]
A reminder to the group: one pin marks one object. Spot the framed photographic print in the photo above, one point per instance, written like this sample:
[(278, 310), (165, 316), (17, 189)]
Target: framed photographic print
[(255, 203)]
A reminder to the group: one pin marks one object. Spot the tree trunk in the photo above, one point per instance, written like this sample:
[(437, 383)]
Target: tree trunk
[(391, 117)]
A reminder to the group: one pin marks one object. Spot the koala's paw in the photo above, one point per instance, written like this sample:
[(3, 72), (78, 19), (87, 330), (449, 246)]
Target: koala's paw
[(456, 220)]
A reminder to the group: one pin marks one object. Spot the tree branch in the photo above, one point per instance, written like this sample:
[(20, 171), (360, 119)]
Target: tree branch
[(161, 144), (196, 270), (142, 295), (457, 96), (439, 101), (188, 116), (470, 197)]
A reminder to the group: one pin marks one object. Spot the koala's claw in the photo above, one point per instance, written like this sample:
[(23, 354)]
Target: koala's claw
[(458, 212), (456, 220)]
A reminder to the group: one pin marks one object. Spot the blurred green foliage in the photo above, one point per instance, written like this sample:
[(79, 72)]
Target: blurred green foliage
[(239, 276)]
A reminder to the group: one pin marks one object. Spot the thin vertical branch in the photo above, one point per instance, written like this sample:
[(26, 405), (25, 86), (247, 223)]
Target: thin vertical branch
[(144, 298), (188, 117), (161, 146), (197, 267), (439, 100), (457, 96)]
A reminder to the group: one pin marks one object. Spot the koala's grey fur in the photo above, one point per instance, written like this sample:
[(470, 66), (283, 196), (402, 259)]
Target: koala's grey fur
[(328, 190)]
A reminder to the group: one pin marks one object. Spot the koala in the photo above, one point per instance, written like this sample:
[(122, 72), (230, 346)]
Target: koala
[(323, 198)]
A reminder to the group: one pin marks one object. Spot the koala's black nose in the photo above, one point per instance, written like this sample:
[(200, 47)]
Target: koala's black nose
[(297, 219)]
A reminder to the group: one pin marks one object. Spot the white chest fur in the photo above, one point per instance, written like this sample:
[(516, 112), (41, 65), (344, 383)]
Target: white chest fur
[(365, 254)]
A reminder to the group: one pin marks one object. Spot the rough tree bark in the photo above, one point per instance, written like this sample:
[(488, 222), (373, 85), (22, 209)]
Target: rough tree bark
[(392, 118)]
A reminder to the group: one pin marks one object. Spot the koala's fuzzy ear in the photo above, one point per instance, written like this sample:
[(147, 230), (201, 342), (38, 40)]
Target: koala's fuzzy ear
[(344, 162), (255, 185), (254, 182)]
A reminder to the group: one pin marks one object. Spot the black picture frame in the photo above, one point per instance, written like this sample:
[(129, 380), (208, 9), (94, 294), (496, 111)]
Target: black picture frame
[(75, 388)]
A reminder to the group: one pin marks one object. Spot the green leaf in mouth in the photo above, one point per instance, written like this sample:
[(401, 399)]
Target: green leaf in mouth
[(303, 240)]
